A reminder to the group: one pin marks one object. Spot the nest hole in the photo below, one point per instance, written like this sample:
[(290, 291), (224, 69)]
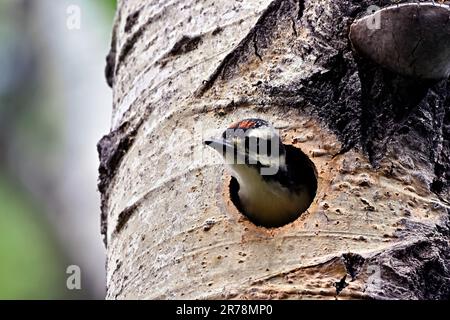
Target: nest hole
[(297, 160)]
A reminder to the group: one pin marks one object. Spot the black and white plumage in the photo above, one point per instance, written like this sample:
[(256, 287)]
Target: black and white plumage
[(277, 182)]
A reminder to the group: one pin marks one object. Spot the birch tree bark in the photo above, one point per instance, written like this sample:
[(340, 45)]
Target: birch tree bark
[(184, 70)]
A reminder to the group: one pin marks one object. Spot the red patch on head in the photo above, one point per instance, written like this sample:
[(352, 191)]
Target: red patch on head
[(244, 124)]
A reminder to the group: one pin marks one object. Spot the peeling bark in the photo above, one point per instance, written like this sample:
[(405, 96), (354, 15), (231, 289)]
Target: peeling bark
[(379, 225)]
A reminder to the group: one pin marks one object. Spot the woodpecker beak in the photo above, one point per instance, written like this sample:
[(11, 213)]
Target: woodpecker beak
[(228, 150), (220, 145)]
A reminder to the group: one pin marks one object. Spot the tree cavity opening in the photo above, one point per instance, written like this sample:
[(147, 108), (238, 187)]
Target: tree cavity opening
[(302, 169)]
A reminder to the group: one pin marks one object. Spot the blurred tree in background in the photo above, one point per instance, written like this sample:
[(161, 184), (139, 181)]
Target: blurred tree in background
[(54, 107)]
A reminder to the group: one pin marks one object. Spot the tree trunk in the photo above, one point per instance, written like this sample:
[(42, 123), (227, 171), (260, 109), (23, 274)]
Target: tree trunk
[(184, 70)]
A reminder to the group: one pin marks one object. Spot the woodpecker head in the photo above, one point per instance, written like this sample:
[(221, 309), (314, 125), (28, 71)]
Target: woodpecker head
[(276, 183), (251, 144)]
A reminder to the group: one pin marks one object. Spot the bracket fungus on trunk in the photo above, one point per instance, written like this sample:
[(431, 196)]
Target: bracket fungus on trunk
[(411, 39)]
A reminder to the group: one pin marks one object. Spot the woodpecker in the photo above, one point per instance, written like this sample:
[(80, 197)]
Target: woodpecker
[(277, 182)]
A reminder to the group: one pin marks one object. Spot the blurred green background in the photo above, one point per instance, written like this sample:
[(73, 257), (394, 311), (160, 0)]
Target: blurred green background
[(54, 107)]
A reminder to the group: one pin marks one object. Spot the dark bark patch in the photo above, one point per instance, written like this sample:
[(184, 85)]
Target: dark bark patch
[(109, 68), (131, 20), (335, 96), (185, 45), (217, 31), (123, 218), (301, 9), (255, 46), (128, 46), (353, 263), (340, 285), (419, 269), (111, 59), (111, 149)]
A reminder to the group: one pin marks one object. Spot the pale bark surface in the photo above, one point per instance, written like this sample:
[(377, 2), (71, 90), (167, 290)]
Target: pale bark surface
[(378, 226)]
